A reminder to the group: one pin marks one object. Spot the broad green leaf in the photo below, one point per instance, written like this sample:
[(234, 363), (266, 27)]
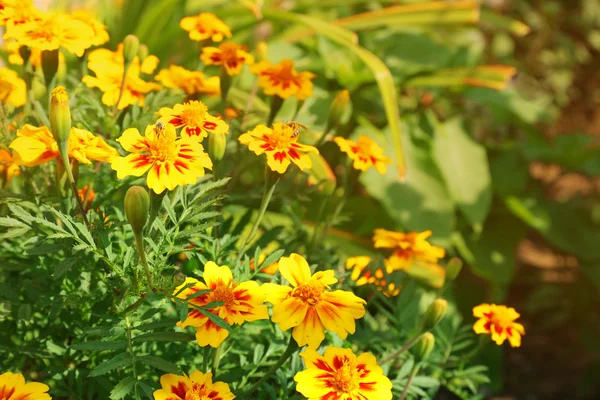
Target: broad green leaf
[(464, 166), (159, 363), (119, 361), (123, 388)]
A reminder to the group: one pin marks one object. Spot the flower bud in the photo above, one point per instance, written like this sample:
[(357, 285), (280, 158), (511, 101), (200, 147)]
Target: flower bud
[(143, 52), (435, 312), (137, 205), (423, 348), (179, 279), (49, 64), (453, 268), (262, 50), (217, 143), (338, 109), (60, 115), (131, 44)]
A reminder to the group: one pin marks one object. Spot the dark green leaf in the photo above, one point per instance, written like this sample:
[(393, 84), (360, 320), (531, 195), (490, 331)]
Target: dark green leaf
[(123, 388), (164, 337), (159, 363), (119, 361), (99, 346)]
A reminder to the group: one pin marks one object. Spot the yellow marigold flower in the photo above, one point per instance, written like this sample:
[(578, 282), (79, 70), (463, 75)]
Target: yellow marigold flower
[(281, 146), (265, 269), (52, 31), (499, 321), (13, 387), (365, 153), (191, 82), (100, 32), (103, 59), (231, 56), (18, 12), (408, 248), (169, 160), (14, 55), (197, 386), (388, 289), (35, 146), (283, 80), (87, 196), (340, 375), (14, 88), (242, 303), (8, 167), (205, 26), (194, 119), (309, 306)]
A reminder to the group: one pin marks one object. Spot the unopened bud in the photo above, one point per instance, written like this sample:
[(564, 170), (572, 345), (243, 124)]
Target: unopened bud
[(60, 115), (435, 312), (262, 50), (131, 44), (453, 268), (143, 52), (217, 143), (179, 279), (49, 64), (423, 348), (61, 73), (338, 109), (137, 205)]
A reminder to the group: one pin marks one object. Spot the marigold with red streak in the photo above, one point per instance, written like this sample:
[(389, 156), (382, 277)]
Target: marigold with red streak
[(8, 167), (283, 80), (340, 375), (170, 161), (499, 321), (191, 82), (365, 153), (194, 119), (13, 89), (362, 275), (18, 12), (280, 145), (205, 26), (309, 306), (34, 146), (197, 386), (230, 56), (13, 387), (408, 248), (242, 303), (87, 196)]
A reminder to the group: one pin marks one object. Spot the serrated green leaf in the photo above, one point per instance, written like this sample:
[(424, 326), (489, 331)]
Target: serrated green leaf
[(64, 266), (123, 388), (164, 337), (100, 346), (170, 210), (118, 361), (159, 363)]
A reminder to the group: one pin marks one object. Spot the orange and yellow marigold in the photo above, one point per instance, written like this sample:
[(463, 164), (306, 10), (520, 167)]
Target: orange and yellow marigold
[(194, 119), (230, 56), (499, 322), (340, 375), (280, 146), (408, 248), (8, 167), (191, 82), (13, 90), (242, 302), (196, 386), (13, 387), (364, 153), (283, 80), (309, 306), (205, 26)]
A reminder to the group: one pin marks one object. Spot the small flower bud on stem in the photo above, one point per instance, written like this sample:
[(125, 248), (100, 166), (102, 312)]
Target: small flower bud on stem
[(137, 205)]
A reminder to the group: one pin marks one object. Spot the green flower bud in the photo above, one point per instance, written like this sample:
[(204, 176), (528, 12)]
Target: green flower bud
[(423, 348), (338, 109), (137, 205), (217, 143), (435, 312), (60, 116), (49, 64), (453, 268), (131, 44), (178, 279), (143, 52)]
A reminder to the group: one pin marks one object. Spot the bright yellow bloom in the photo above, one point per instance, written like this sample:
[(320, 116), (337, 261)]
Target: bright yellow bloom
[(309, 306), (194, 119), (108, 67), (53, 31), (408, 248), (242, 303), (13, 387), (191, 82), (34, 146), (229, 55), (18, 12), (197, 386), (365, 153), (283, 80), (169, 160), (499, 321), (8, 167), (100, 32), (14, 89), (205, 26), (340, 375), (280, 145)]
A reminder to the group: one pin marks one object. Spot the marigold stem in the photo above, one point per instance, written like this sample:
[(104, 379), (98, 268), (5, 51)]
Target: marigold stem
[(407, 346), (139, 242), (216, 359), (65, 159), (291, 349), (122, 88), (413, 373)]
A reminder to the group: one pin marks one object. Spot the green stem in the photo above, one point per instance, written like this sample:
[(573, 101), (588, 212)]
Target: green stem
[(205, 354), (323, 136), (65, 159), (132, 354), (407, 346), (291, 349), (139, 242), (276, 103), (122, 88), (267, 194), (313, 241), (413, 373), (216, 360), (155, 203)]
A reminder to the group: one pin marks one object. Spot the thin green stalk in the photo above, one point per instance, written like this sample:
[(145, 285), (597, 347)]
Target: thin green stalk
[(413, 373), (323, 136), (205, 356), (122, 88), (155, 203), (267, 194), (132, 354), (216, 359), (407, 346), (65, 159), (313, 241), (139, 242), (291, 349)]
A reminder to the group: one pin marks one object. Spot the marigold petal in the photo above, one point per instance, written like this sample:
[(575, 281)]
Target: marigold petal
[(173, 385), (294, 269), (133, 164), (290, 313), (215, 275), (275, 293), (211, 334), (311, 331)]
